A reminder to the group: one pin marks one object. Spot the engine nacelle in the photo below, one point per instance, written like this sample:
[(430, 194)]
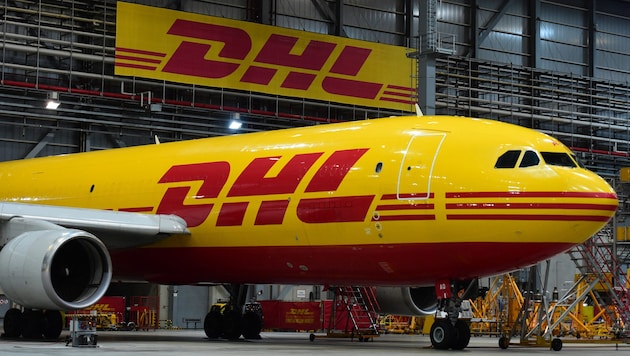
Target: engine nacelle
[(57, 269), (407, 301)]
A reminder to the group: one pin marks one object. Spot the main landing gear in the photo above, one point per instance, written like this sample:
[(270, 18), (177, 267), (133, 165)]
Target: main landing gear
[(449, 332), (235, 318), (32, 324)]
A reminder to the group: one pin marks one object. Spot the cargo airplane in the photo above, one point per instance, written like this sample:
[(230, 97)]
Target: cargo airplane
[(411, 205)]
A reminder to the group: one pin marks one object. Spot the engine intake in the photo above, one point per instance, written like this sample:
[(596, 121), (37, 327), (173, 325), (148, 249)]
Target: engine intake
[(407, 301), (57, 269)]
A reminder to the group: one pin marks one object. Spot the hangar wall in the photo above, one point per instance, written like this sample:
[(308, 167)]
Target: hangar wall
[(560, 66)]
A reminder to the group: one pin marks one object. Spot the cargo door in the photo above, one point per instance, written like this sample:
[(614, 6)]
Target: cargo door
[(416, 169)]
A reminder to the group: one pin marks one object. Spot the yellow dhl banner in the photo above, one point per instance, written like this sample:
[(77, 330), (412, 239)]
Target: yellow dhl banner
[(204, 50)]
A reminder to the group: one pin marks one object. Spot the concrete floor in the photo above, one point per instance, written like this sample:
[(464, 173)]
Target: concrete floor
[(194, 342)]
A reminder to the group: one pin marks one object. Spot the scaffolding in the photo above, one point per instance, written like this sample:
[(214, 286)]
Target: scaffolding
[(591, 116), (601, 269), (507, 312), (354, 313)]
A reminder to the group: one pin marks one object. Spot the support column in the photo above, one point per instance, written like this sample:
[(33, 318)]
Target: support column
[(165, 311), (426, 55), (426, 83)]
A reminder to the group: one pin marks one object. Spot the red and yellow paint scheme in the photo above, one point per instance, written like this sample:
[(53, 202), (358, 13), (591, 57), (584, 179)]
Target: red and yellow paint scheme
[(403, 201), (219, 52)]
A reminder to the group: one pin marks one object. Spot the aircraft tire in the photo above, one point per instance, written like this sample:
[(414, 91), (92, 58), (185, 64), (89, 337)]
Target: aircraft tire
[(462, 335), (232, 322), (32, 324), (252, 325), (13, 323), (443, 334), (52, 324), (212, 324)]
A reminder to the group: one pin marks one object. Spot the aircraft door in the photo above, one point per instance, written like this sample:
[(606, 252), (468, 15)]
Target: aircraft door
[(416, 169)]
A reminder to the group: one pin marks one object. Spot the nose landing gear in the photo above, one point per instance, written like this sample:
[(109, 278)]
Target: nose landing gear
[(449, 331)]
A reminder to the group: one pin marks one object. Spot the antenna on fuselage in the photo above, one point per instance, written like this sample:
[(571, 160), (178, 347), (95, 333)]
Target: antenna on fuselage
[(418, 110), (157, 139)]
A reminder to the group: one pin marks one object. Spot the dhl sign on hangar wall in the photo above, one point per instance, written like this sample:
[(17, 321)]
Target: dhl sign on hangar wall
[(204, 50)]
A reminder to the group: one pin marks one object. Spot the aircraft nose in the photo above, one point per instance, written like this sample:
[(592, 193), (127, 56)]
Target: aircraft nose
[(592, 197)]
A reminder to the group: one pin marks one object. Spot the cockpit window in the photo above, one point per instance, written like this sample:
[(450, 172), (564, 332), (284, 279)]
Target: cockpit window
[(530, 159), (508, 159), (558, 159), (579, 163)]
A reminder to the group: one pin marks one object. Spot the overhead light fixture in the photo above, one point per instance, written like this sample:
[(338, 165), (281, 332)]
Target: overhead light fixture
[(53, 101), (235, 125)]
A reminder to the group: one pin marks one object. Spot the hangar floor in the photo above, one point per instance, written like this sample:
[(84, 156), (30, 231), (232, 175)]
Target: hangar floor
[(194, 342)]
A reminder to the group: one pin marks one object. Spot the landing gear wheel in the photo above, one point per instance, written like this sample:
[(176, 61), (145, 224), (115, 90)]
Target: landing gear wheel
[(443, 334), (252, 325), (32, 324), (52, 324), (13, 323), (504, 342), (556, 344), (212, 324), (232, 321), (463, 335)]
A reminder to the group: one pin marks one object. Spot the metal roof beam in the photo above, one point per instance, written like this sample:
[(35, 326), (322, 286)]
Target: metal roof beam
[(534, 34), (494, 20), (335, 16), (40, 145)]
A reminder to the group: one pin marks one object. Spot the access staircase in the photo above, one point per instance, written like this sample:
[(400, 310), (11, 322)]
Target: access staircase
[(596, 260), (354, 313)]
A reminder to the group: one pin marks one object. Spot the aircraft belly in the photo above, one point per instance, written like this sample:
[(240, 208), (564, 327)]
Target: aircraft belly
[(374, 264)]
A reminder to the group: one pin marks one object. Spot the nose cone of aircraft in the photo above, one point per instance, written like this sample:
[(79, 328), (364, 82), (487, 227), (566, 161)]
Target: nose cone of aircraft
[(591, 201)]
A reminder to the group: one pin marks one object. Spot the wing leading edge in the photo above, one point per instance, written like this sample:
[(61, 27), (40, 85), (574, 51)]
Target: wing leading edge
[(116, 229)]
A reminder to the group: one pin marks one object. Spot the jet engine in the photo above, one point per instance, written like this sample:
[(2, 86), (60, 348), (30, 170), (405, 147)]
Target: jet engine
[(407, 301), (56, 269)]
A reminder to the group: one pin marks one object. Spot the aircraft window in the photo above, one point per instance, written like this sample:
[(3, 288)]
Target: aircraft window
[(558, 159), (530, 158), (579, 163), (508, 159), (379, 167)]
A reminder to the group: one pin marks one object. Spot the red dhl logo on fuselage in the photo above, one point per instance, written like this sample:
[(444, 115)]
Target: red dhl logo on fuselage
[(254, 181)]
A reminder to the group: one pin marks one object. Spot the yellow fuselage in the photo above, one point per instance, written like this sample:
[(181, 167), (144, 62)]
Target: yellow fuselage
[(394, 201)]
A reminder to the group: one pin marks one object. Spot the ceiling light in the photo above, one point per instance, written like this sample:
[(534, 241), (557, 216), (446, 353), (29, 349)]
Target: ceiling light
[(235, 125), (53, 101)]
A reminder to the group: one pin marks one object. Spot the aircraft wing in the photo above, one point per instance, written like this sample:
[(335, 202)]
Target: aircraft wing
[(116, 229)]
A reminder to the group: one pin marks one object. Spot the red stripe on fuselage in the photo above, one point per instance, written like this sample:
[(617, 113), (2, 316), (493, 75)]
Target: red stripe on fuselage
[(403, 217), (405, 207), (519, 194), (407, 196), (531, 206), (527, 217), (141, 209), (407, 264)]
